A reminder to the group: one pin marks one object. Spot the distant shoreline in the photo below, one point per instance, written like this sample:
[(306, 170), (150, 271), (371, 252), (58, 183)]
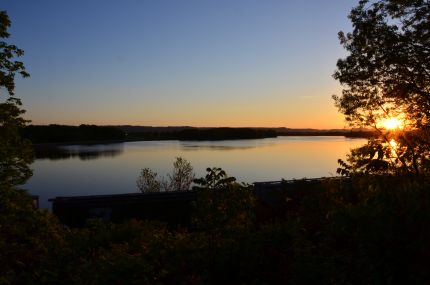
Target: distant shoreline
[(56, 135)]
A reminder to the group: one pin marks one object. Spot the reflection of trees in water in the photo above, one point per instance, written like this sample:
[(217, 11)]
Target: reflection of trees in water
[(216, 147), (83, 153), (188, 147)]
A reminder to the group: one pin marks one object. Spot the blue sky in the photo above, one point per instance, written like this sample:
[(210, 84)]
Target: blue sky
[(180, 62)]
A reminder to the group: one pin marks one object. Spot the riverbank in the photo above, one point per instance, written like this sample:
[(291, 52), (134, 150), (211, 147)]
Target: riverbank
[(54, 135)]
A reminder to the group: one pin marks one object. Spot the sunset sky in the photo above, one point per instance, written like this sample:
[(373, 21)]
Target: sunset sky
[(238, 63)]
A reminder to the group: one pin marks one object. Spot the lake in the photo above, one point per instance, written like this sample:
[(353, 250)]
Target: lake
[(114, 168)]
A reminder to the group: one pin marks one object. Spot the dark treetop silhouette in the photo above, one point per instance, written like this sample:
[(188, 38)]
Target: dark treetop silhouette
[(387, 76), (15, 152)]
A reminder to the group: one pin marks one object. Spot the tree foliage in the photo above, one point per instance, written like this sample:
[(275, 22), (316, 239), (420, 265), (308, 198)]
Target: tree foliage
[(15, 152), (222, 202), (215, 178), (24, 230), (147, 181), (387, 75), (8, 66), (180, 179), (182, 175)]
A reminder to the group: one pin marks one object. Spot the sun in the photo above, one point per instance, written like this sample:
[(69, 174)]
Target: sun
[(392, 123)]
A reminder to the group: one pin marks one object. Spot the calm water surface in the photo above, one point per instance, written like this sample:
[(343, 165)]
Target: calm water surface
[(113, 168)]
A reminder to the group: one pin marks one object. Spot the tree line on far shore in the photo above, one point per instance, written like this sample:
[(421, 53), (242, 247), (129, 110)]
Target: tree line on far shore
[(55, 133), (63, 134), (83, 133)]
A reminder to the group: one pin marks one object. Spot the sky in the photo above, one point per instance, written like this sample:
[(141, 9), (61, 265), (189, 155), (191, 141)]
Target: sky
[(203, 63)]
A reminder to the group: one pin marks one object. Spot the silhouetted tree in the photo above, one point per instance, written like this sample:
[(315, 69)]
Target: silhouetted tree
[(182, 175), (180, 179), (27, 235), (147, 181), (387, 76), (215, 178), (222, 202), (15, 153)]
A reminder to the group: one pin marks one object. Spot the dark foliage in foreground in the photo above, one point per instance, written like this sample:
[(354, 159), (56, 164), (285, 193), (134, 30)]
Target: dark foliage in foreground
[(367, 230)]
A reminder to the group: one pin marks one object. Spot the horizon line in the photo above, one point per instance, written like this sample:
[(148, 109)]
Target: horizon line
[(202, 127)]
